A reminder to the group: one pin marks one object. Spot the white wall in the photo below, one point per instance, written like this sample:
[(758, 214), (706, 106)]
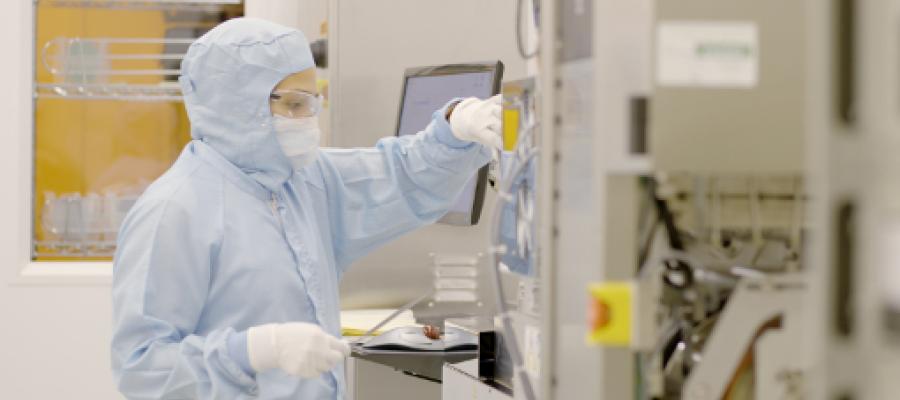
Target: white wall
[(55, 330), (305, 15)]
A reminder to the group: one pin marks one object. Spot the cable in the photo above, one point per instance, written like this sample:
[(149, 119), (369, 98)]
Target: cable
[(497, 250), (665, 215), (519, 44)]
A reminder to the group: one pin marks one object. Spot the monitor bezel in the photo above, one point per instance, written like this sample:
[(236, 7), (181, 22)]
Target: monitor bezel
[(496, 67)]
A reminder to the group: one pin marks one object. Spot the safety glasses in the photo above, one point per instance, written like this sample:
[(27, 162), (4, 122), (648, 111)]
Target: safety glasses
[(295, 103)]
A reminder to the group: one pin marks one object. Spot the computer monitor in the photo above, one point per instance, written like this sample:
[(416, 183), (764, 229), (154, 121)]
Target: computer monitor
[(426, 89)]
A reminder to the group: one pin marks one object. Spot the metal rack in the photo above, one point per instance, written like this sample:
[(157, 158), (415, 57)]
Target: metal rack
[(141, 4), (168, 91), (79, 225), (84, 68)]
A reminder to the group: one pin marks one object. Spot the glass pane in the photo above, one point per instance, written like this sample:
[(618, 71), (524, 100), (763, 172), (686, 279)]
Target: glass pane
[(107, 116)]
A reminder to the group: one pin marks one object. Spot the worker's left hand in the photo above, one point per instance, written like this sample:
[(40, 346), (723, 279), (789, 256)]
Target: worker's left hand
[(478, 120), (301, 349)]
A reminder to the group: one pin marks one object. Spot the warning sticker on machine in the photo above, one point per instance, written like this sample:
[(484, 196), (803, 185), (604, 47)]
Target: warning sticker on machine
[(710, 54)]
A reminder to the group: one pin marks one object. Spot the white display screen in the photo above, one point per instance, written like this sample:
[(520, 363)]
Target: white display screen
[(426, 94)]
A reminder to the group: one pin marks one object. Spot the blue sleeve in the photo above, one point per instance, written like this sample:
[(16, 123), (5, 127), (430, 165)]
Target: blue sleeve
[(165, 255), (237, 348), (377, 194)]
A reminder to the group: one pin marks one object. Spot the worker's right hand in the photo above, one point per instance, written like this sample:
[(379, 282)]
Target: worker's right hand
[(298, 348), (478, 120)]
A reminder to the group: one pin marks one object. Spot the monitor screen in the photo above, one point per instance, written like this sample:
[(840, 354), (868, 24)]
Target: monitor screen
[(428, 89), (425, 94)]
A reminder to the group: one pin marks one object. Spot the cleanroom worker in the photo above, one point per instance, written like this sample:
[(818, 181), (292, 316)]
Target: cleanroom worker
[(225, 280)]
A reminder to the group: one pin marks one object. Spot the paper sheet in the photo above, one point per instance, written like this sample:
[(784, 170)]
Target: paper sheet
[(357, 322)]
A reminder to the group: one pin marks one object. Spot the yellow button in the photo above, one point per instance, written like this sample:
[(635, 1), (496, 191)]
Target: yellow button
[(609, 319), (510, 128), (598, 314)]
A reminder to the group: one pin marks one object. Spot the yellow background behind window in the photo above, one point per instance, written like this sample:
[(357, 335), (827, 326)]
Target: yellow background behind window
[(101, 146)]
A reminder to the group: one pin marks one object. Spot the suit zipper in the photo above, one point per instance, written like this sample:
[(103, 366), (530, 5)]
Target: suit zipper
[(273, 203)]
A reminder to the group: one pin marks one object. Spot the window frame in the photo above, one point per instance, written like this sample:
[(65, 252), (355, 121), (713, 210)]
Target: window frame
[(17, 168), (17, 163)]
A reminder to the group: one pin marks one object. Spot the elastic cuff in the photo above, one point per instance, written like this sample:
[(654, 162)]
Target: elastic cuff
[(237, 349), (442, 131), (261, 347)]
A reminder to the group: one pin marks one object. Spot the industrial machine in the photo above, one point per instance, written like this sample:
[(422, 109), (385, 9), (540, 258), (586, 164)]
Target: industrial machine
[(719, 178), (695, 199)]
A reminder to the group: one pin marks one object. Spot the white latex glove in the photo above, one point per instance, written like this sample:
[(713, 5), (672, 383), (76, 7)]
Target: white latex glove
[(477, 120), (298, 348)]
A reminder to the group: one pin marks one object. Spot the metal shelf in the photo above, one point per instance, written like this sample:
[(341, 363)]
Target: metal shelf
[(169, 91), (83, 249), (71, 59), (142, 4), (82, 69)]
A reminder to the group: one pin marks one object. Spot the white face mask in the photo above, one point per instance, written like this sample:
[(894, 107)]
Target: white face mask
[(299, 139)]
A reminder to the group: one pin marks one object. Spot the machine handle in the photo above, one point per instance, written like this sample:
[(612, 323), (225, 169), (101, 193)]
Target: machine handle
[(845, 60)]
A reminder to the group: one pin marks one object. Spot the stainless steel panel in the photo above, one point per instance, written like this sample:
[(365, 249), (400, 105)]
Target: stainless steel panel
[(460, 384), (758, 129), (367, 380)]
